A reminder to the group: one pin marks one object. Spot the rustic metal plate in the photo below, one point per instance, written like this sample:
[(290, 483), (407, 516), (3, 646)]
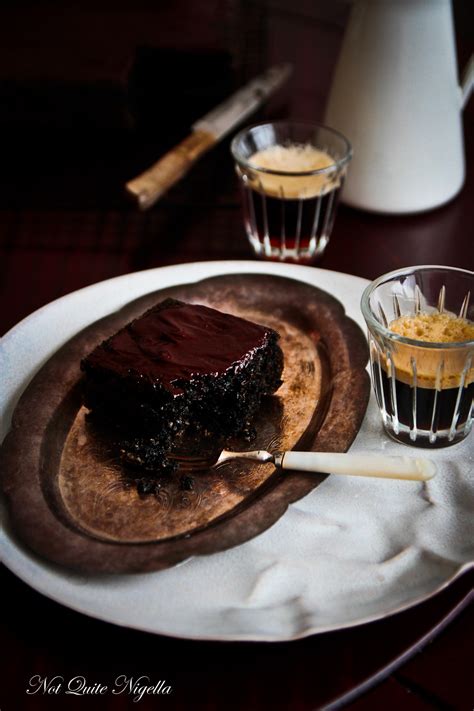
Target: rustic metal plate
[(66, 497)]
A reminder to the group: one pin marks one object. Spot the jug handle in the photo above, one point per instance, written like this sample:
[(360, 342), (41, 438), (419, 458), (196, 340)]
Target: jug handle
[(467, 81)]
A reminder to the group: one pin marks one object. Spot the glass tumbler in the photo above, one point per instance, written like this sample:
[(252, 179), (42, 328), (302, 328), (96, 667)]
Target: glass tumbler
[(291, 175), (423, 374)]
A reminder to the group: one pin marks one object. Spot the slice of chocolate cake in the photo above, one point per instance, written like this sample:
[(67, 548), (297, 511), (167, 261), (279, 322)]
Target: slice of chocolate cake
[(180, 372)]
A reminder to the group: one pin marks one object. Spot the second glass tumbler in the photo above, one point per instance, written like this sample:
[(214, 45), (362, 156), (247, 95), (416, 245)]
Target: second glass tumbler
[(291, 175)]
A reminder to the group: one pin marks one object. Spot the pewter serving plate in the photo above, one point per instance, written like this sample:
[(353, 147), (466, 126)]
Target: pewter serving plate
[(350, 551), (67, 496)]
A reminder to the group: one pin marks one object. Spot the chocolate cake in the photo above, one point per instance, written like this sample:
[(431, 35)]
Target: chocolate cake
[(179, 373)]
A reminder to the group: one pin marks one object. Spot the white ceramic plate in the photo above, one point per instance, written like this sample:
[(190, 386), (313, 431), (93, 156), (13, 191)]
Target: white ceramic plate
[(352, 551)]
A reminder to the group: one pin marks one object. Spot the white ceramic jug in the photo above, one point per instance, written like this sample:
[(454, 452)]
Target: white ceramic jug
[(395, 95)]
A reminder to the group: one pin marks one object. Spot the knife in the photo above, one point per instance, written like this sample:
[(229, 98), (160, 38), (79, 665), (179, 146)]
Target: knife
[(148, 187)]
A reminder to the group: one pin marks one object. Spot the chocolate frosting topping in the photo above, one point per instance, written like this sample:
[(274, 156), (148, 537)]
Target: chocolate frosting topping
[(174, 341)]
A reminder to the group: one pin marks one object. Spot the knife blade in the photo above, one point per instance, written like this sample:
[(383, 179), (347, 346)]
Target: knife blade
[(148, 187)]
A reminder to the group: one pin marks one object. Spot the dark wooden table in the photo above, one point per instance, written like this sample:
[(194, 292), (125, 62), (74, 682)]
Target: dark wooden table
[(64, 224)]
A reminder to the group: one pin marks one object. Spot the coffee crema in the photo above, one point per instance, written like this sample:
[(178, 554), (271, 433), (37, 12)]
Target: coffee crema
[(294, 158), (435, 367), (434, 328)]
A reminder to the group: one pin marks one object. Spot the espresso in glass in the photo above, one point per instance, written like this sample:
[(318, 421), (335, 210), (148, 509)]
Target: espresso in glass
[(420, 324), (424, 389), (291, 175), (290, 216)]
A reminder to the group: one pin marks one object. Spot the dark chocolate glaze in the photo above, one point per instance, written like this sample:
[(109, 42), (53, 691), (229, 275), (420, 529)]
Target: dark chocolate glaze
[(175, 342)]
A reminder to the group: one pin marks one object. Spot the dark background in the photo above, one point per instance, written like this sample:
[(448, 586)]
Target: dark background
[(91, 93)]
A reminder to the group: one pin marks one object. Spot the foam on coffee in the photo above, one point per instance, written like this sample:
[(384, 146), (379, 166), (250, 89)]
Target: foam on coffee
[(295, 158), (432, 328)]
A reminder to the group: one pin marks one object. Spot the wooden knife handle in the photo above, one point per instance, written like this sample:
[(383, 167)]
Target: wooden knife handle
[(148, 187)]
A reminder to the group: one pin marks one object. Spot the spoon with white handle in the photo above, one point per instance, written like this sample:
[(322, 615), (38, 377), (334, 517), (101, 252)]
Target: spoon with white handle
[(374, 465)]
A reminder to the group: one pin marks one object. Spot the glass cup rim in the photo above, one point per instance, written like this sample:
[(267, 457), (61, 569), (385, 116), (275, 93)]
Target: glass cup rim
[(386, 332), (296, 174)]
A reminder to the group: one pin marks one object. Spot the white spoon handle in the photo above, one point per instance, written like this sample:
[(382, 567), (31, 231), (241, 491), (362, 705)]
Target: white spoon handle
[(375, 465)]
